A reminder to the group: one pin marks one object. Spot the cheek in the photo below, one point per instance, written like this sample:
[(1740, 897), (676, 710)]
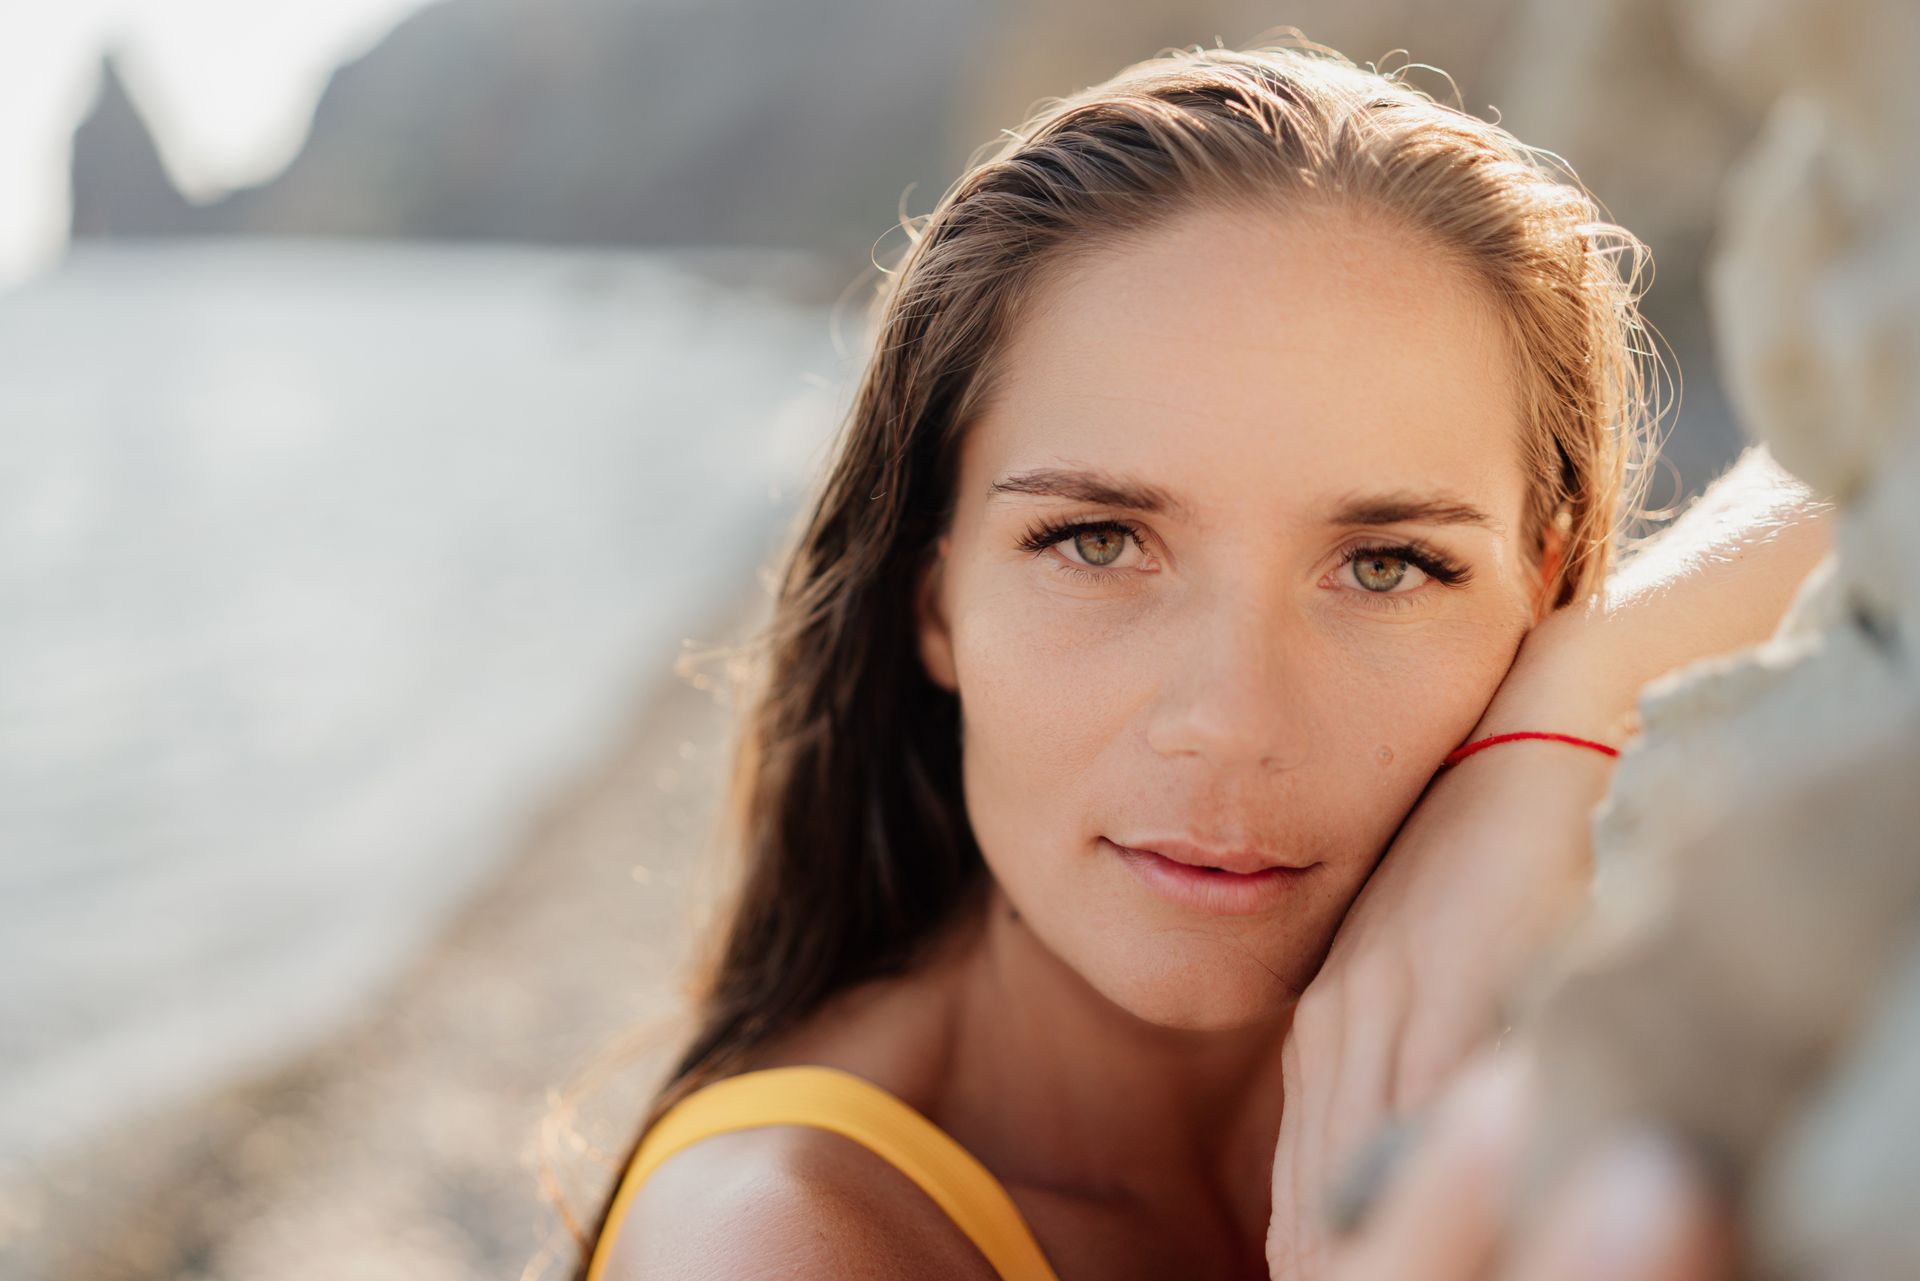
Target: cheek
[(1395, 702), (1414, 690), (1045, 692)]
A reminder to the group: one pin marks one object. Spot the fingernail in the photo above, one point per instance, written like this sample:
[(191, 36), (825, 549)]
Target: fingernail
[(1358, 1188), (1482, 1114)]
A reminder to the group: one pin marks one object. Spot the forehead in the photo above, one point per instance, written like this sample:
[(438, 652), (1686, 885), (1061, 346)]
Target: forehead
[(1238, 358)]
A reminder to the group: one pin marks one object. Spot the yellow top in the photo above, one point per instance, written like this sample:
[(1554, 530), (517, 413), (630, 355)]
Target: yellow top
[(869, 1115)]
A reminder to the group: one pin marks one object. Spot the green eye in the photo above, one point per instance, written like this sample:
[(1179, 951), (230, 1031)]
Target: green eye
[(1379, 573), (1100, 544)]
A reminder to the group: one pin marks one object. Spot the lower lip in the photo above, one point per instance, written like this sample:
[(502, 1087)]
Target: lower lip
[(1207, 890)]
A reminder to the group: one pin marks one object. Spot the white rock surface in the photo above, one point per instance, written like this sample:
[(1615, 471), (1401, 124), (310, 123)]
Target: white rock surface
[(1751, 974)]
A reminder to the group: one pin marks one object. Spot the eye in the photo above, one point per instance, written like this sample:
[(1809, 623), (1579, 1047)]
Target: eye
[(1097, 545), (1397, 570), (1381, 571)]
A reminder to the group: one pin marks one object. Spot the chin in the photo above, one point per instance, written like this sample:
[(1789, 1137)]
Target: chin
[(1197, 984)]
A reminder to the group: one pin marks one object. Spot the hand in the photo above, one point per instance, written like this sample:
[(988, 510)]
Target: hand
[(1635, 1210), (1493, 861)]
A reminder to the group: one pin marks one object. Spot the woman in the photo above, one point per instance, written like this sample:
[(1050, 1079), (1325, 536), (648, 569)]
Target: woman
[(1226, 435)]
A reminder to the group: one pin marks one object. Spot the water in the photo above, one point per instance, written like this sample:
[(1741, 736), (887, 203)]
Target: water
[(321, 566)]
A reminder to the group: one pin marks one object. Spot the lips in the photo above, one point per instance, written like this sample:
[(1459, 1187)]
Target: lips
[(1243, 861), (1202, 888)]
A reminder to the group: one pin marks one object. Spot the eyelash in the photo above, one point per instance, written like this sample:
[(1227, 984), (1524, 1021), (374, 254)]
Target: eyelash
[(1431, 561), (1046, 534)]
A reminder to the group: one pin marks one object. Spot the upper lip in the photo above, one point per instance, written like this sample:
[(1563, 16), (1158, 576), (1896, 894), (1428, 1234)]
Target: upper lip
[(1194, 854)]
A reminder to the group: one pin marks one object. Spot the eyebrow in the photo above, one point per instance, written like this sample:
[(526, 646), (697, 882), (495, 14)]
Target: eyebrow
[(1090, 486), (1104, 489), (1401, 507)]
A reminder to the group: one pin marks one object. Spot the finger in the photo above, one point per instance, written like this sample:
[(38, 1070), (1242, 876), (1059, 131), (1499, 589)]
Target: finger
[(1440, 1220), (1362, 1101), (1319, 1054), (1637, 1210), (1362, 1183), (1285, 1237)]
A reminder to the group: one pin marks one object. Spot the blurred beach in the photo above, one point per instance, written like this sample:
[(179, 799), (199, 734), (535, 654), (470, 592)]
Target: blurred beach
[(324, 566), (438, 1132)]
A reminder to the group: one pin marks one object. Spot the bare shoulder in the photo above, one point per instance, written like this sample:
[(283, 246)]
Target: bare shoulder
[(786, 1201)]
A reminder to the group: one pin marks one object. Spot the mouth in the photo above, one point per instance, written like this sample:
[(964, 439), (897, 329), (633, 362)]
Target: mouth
[(1209, 888)]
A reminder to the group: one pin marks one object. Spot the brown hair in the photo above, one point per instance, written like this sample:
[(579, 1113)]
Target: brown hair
[(846, 804)]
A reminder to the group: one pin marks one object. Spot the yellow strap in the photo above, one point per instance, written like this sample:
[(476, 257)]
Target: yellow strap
[(846, 1104)]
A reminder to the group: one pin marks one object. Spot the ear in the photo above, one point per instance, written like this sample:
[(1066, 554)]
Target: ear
[(1553, 553), (930, 621)]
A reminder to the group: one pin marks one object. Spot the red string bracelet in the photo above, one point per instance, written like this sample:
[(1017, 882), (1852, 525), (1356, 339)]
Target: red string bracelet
[(1465, 750)]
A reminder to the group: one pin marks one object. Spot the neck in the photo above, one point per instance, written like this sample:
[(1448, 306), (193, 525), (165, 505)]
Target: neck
[(1064, 1089)]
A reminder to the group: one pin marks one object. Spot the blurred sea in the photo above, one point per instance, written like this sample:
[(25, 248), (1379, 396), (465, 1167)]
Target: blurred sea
[(322, 565)]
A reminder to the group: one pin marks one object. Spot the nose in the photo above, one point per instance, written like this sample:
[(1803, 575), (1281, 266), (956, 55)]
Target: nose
[(1233, 692)]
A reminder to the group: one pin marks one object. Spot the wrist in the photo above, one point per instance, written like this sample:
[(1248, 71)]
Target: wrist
[(1568, 678)]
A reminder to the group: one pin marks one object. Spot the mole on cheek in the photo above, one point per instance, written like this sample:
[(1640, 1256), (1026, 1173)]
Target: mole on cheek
[(1383, 754)]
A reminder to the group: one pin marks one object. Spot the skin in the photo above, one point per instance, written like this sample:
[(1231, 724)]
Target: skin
[(1230, 678), (1115, 1059)]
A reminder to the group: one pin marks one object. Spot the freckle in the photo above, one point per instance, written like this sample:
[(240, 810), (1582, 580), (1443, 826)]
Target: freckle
[(1384, 754)]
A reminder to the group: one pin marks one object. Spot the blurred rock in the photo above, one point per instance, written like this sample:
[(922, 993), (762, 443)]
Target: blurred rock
[(122, 188), (1749, 974), (601, 121)]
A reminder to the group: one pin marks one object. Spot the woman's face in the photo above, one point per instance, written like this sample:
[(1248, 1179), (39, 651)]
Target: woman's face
[(1292, 451)]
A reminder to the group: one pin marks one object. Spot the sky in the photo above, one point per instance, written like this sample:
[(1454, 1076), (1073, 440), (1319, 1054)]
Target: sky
[(227, 87)]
